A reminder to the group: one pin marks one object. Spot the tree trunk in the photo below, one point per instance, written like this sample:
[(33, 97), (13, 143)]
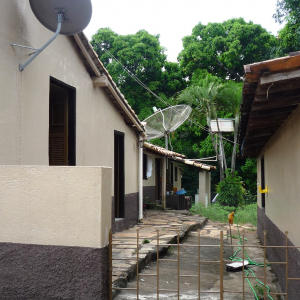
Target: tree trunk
[(223, 164), (215, 144), (233, 159), (223, 152)]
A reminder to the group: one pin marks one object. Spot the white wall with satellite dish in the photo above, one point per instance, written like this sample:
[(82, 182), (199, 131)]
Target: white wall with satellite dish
[(66, 17)]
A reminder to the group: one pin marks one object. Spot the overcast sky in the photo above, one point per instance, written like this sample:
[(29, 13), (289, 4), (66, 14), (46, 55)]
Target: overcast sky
[(174, 19)]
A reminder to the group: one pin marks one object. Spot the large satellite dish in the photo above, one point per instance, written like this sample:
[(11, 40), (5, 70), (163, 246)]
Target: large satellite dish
[(76, 13), (66, 17), (162, 122)]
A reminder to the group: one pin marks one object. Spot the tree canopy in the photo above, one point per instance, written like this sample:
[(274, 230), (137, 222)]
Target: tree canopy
[(224, 48), (142, 56), (289, 36), (287, 8)]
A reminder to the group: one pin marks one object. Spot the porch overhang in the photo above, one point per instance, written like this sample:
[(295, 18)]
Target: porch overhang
[(271, 92)]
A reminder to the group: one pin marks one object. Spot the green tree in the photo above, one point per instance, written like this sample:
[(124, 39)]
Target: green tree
[(203, 100), (143, 58), (224, 48), (231, 98), (287, 8), (231, 190)]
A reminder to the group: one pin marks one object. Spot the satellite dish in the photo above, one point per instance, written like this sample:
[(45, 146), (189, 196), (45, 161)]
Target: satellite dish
[(76, 14), (162, 122), (66, 17)]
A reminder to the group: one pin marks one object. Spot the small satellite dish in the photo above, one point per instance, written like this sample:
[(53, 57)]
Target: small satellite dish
[(66, 17), (77, 14), (162, 122)]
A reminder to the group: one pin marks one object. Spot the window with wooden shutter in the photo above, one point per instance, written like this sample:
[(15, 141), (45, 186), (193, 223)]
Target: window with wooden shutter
[(61, 124)]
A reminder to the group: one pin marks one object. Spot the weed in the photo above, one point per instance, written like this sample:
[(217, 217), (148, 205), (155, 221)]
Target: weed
[(146, 241), (170, 249), (259, 290)]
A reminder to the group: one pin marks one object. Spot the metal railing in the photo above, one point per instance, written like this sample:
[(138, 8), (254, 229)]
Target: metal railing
[(219, 262)]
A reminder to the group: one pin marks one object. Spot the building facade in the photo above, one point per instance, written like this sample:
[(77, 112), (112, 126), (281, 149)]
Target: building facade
[(270, 132), (68, 163)]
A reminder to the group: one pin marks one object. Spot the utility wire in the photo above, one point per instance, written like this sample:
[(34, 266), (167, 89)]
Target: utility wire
[(156, 96)]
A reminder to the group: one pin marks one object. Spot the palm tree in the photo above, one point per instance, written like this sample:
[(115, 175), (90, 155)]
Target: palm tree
[(203, 99), (231, 98)]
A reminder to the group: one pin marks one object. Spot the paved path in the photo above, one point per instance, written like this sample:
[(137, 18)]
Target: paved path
[(168, 222), (210, 273)]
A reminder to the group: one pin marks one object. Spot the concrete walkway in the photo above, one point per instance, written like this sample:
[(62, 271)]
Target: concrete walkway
[(168, 222), (210, 273)]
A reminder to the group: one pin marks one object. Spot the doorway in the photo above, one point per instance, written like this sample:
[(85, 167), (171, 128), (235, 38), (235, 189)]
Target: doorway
[(119, 175), (158, 191)]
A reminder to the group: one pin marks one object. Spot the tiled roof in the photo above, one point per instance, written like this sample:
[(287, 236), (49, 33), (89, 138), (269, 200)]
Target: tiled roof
[(176, 156), (271, 92), (162, 150), (96, 69)]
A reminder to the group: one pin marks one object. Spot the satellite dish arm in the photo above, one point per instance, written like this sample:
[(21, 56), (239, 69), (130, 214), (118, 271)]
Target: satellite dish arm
[(60, 18)]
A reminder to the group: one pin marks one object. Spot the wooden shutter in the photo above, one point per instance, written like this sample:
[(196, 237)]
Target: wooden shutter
[(58, 126)]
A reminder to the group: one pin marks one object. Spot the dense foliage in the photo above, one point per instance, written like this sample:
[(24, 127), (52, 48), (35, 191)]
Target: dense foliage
[(287, 8), (230, 190), (142, 57), (224, 48)]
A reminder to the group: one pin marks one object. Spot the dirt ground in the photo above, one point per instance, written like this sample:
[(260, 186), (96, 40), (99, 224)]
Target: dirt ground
[(210, 272)]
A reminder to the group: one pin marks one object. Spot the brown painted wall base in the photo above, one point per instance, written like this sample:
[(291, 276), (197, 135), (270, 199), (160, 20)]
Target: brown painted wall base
[(38, 272), (131, 213), (149, 193), (277, 238)]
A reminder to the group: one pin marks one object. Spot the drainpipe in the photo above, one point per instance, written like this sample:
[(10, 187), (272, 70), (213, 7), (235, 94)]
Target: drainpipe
[(141, 142)]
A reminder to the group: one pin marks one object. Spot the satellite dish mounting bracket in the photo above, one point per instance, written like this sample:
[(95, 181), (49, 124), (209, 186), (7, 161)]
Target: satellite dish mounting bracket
[(60, 19)]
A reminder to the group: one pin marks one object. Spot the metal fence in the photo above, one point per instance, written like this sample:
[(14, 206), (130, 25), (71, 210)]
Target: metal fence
[(219, 264)]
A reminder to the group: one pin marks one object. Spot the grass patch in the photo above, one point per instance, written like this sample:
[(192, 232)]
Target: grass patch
[(246, 214), (146, 241), (217, 212)]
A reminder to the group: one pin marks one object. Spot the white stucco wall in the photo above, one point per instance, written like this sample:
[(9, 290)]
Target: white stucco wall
[(66, 206), (204, 188), (176, 184), (24, 99), (282, 174)]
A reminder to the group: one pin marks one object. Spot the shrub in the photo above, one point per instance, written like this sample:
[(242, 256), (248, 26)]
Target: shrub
[(230, 190)]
